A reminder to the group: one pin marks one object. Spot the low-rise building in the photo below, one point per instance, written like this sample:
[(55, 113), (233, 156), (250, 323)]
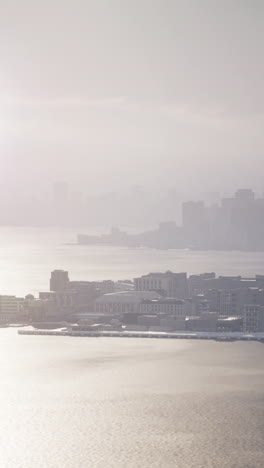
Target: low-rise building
[(202, 283), (122, 302), (169, 306), (9, 308), (197, 305), (173, 324), (229, 324), (196, 282), (253, 318), (148, 320), (205, 322), (42, 310), (168, 284)]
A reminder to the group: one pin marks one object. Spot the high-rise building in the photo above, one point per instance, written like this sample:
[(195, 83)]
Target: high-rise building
[(59, 280), (245, 195), (195, 222)]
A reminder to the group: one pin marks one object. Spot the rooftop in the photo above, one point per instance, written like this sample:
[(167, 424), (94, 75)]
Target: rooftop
[(166, 300), (127, 296)]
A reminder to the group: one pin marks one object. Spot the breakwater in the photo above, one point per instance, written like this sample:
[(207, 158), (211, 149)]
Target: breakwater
[(150, 335)]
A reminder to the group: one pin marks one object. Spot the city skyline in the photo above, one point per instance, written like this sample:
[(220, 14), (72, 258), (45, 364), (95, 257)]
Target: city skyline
[(135, 207), (131, 206), (156, 302)]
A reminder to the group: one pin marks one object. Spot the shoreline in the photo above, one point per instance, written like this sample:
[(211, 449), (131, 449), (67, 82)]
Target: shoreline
[(217, 336)]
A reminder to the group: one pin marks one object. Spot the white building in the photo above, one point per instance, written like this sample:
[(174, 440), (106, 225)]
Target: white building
[(123, 301), (9, 308)]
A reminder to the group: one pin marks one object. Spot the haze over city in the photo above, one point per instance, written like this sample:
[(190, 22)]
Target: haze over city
[(106, 94), (131, 233)]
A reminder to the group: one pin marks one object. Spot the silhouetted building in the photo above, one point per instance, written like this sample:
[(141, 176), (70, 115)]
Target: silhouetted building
[(237, 223), (195, 223), (245, 195), (59, 280)]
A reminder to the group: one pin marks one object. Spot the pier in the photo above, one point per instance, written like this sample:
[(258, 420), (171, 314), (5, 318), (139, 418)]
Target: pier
[(218, 336)]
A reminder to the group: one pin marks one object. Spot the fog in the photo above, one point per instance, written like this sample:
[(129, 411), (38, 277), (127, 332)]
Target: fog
[(111, 94)]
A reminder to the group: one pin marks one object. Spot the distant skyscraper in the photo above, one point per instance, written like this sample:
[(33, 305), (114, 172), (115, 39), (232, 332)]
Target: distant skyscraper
[(245, 195), (194, 218), (211, 198)]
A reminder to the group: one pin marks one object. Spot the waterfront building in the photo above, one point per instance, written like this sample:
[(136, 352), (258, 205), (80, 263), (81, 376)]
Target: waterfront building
[(9, 309), (168, 284), (169, 306), (122, 302), (231, 302), (71, 297), (44, 310), (225, 302), (172, 323), (148, 320), (229, 324), (206, 322), (253, 319)]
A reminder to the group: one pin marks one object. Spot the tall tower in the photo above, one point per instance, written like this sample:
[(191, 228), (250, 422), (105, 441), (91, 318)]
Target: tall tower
[(59, 280)]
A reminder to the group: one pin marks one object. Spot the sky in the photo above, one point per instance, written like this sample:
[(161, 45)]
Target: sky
[(106, 94)]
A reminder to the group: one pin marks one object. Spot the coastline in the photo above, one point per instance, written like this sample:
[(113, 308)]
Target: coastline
[(218, 336)]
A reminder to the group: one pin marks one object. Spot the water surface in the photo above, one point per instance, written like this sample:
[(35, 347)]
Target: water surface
[(113, 402), (28, 255)]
